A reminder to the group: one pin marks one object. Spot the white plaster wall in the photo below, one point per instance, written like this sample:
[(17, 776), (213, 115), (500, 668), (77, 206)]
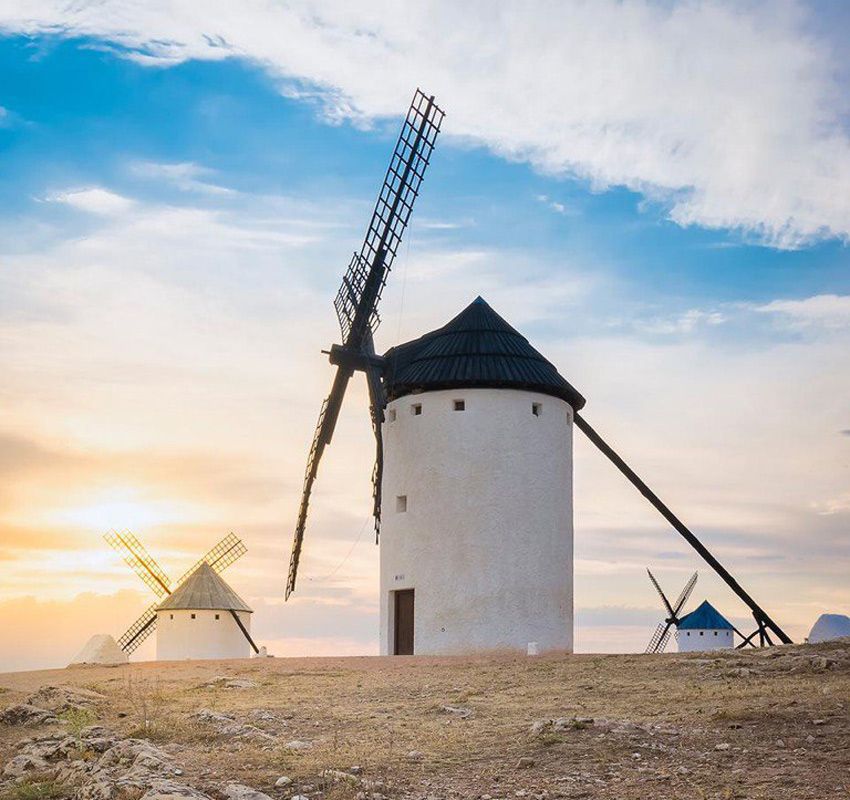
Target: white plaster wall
[(179, 637), (487, 538), (707, 641)]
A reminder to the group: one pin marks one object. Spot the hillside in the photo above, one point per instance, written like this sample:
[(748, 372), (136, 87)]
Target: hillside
[(756, 724)]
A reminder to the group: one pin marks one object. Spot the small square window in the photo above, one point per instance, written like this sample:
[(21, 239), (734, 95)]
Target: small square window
[(171, 616), (701, 633), (401, 503), (416, 409), (715, 633), (391, 415), (536, 409), (216, 616), (193, 616), (460, 405)]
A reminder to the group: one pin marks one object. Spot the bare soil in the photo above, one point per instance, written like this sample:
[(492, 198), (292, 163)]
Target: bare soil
[(772, 723)]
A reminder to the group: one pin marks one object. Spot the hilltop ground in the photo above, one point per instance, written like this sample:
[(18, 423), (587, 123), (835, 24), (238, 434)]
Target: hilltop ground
[(755, 724)]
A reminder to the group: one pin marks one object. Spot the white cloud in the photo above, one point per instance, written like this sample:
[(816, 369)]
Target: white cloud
[(553, 205), (823, 310), (186, 176), (684, 323), (729, 113), (92, 200)]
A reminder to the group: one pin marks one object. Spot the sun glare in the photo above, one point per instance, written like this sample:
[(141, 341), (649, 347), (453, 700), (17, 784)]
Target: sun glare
[(123, 508)]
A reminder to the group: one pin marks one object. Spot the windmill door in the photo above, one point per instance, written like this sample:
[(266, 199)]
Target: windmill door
[(403, 623)]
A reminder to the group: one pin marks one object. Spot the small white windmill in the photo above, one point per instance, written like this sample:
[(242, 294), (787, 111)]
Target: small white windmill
[(202, 617)]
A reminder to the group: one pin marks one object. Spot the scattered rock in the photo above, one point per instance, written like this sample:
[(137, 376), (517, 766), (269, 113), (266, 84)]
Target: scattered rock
[(61, 698), (299, 797), (297, 744), (525, 762), (338, 776), (169, 790), (415, 755), (283, 780), (23, 765), (238, 791), (458, 711), (780, 743), (818, 722), (722, 746), (227, 725), (27, 715), (227, 682), (356, 770)]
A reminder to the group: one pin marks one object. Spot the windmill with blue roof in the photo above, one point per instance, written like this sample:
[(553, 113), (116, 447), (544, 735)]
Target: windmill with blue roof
[(705, 628)]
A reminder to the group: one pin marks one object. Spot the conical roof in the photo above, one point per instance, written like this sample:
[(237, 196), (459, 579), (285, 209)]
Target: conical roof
[(476, 349), (706, 618), (204, 589)]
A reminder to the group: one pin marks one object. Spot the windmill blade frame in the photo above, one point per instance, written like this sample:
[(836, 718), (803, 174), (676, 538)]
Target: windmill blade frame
[(658, 640), (684, 596), (661, 594), (229, 550), (328, 415), (377, 403), (143, 627), (356, 302), (137, 557)]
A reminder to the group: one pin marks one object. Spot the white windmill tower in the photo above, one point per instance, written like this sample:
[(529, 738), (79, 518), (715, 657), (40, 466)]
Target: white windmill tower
[(474, 456)]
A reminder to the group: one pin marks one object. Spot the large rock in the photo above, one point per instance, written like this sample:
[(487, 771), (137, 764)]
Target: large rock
[(238, 791), (171, 790), (61, 698), (227, 725), (27, 715), (23, 765), (100, 649), (828, 627)]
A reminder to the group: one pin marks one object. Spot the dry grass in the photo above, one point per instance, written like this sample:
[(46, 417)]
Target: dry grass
[(665, 714)]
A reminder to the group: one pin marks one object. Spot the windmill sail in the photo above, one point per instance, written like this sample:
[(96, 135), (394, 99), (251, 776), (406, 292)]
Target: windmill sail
[(659, 639), (140, 561), (356, 302)]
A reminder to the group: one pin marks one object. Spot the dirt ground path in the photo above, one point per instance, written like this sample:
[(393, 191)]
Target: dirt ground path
[(756, 724)]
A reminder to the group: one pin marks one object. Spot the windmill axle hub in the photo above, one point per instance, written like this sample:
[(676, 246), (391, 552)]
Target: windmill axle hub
[(342, 356)]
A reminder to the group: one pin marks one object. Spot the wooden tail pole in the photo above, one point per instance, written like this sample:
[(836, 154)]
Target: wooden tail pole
[(244, 631), (761, 616)]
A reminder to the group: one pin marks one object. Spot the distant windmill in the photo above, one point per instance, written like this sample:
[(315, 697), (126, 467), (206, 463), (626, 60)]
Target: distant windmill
[(662, 633), (228, 550)]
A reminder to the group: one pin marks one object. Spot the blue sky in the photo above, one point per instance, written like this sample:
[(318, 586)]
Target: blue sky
[(180, 199)]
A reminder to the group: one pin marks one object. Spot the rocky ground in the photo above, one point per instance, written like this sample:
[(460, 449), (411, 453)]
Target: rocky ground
[(757, 724)]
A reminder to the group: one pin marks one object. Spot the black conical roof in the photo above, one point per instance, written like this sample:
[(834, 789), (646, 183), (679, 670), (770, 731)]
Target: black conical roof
[(476, 349)]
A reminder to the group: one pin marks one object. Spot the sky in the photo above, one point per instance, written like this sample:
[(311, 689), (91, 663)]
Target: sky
[(654, 193)]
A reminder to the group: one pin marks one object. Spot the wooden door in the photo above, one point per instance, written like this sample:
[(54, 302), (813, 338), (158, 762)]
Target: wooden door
[(403, 623)]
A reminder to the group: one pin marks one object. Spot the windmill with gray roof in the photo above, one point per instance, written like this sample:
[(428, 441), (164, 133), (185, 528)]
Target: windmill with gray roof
[(202, 588), (472, 484), (203, 618)]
